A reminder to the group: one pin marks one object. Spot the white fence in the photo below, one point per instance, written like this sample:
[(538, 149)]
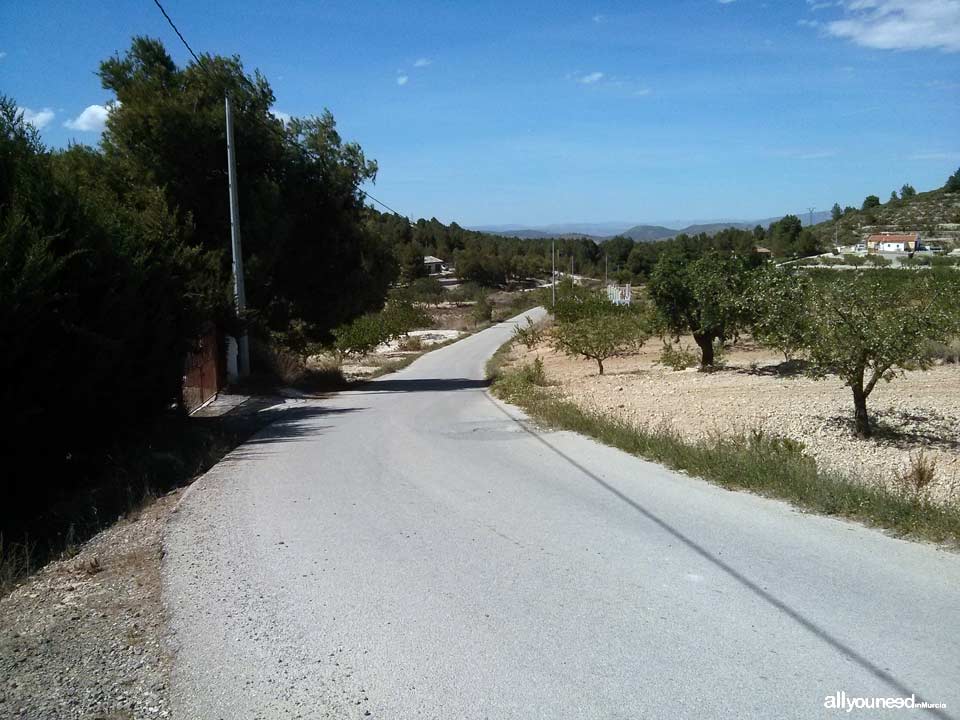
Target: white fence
[(619, 294)]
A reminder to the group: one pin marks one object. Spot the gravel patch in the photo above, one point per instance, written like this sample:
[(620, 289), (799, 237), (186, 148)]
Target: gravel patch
[(919, 412), (85, 636)]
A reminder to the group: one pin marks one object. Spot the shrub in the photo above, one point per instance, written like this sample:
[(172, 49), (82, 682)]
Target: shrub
[(947, 351), (411, 343), (917, 478), (677, 357), (530, 336), (426, 290), (482, 311), (878, 260), (363, 334), (533, 373)]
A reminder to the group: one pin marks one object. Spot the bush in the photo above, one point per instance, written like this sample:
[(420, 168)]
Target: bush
[(878, 261), (426, 290), (363, 334), (531, 335), (946, 352), (677, 357), (533, 373), (482, 311)]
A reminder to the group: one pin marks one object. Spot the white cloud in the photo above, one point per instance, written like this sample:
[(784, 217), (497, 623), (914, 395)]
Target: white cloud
[(2, 55), (590, 78), (92, 119), (402, 79), (725, 2), (38, 118), (900, 24), (598, 18), (422, 62), (281, 116)]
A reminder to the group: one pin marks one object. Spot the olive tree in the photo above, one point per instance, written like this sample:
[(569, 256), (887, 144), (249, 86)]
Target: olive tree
[(869, 326)]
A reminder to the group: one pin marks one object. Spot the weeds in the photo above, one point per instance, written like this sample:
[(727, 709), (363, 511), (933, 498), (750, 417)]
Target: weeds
[(918, 477), (677, 357), (16, 562)]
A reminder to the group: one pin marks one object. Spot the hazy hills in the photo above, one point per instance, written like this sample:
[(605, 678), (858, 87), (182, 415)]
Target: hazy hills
[(639, 232)]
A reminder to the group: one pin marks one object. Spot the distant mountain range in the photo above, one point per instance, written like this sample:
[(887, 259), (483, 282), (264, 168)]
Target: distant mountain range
[(640, 233)]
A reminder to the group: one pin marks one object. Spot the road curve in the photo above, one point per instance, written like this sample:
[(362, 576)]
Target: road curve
[(415, 549)]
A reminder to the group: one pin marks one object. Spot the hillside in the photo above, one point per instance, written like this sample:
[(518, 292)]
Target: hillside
[(935, 214)]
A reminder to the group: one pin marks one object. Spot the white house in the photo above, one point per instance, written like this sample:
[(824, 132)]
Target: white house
[(433, 264), (894, 242)]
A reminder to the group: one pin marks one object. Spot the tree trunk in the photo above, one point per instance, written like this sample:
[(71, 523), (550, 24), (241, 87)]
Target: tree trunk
[(862, 420), (706, 349), (600, 365)]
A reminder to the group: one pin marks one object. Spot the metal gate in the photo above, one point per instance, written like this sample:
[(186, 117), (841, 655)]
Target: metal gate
[(620, 294)]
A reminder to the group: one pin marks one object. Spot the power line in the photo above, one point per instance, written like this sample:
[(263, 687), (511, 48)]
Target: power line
[(282, 136), (179, 34)]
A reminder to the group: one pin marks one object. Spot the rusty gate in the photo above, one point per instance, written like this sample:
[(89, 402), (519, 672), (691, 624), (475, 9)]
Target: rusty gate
[(202, 372)]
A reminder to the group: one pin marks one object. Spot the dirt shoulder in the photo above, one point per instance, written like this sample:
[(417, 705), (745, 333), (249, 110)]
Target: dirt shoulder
[(919, 412), (83, 638)]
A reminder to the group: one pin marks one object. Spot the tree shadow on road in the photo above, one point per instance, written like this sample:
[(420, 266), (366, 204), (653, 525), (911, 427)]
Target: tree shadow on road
[(421, 385)]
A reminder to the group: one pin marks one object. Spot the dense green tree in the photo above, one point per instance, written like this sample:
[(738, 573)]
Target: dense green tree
[(870, 201), (101, 296), (907, 191), (699, 295), (784, 235), (836, 212), (953, 183), (308, 256)]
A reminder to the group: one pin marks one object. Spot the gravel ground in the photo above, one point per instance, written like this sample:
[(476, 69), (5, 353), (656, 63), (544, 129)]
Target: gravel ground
[(84, 637), (914, 413)]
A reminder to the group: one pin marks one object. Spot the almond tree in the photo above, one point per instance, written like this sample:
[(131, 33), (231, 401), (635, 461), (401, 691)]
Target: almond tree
[(870, 326), (597, 329)]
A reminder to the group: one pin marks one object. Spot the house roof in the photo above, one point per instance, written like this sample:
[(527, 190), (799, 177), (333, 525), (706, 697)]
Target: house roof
[(430, 260), (894, 238)]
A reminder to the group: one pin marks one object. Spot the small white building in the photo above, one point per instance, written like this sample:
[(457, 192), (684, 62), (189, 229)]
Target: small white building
[(433, 264)]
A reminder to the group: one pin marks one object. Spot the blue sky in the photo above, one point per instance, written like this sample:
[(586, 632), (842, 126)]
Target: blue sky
[(547, 112)]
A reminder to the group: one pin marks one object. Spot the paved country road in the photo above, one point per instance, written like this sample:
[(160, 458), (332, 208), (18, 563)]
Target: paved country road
[(415, 549)]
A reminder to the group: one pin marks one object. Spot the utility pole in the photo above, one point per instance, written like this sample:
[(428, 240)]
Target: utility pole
[(553, 276), (810, 223), (606, 269), (239, 292)]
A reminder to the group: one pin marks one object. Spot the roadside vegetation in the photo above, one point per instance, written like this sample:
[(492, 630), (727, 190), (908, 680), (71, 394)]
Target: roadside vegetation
[(768, 465)]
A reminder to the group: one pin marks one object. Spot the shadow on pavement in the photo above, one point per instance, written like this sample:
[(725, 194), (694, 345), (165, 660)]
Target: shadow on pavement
[(420, 385)]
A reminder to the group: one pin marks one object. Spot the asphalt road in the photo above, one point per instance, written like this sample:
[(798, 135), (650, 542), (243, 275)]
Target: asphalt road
[(415, 549)]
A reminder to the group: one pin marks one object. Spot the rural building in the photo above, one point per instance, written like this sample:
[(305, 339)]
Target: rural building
[(894, 242), (433, 264)]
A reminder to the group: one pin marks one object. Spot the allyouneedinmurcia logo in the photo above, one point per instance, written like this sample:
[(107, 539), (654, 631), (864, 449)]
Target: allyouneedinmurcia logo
[(841, 701)]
